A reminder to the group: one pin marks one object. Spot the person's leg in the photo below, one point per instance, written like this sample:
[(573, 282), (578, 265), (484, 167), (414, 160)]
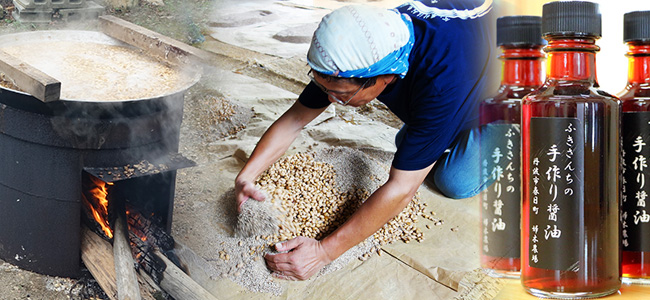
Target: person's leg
[(457, 174), (399, 137)]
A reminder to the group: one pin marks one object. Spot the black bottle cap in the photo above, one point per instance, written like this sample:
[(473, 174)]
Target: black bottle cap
[(636, 26), (519, 30), (571, 18)]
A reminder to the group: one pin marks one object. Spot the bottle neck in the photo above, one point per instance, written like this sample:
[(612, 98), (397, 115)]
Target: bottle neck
[(638, 70), (571, 59), (521, 66)]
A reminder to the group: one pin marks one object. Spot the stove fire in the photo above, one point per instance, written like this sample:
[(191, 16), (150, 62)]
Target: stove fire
[(95, 201), (119, 213), (129, 144), (106, 195)]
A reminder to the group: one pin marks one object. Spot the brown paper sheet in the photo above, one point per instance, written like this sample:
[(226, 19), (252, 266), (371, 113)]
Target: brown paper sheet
[(443, 266)]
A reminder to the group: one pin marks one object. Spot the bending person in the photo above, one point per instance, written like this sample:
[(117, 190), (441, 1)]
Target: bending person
[(428, 64)]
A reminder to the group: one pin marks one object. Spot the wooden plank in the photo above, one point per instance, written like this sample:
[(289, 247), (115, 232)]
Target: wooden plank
[(196, 267), (125, 275), (148, 281), (179, 285), (30, 79), (97, 255), (152, 43)]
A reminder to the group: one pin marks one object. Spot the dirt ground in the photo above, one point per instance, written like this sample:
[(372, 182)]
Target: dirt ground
[(184, 21)]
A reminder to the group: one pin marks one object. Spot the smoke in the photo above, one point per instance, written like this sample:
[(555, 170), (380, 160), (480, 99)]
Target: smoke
[(94, 115)]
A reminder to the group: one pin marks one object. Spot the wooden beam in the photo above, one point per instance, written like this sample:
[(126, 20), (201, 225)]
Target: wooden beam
[(152, 43), (97, 255), (125, 275), (179, 285), (30, 79), (197, 268)]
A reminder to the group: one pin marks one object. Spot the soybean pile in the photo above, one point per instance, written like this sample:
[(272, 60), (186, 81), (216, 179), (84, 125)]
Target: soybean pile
[(312, 193)]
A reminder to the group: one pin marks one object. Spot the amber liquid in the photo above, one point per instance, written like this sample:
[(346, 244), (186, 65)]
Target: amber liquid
[(570, 92), (635, 265), (506, 108), (521, 74)]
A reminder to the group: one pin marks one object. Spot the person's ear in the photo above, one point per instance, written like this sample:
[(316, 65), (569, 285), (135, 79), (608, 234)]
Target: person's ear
[(390, 78)]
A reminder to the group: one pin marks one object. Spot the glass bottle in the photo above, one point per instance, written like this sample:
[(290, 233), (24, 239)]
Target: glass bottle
[(520, 40), (570, 165), (635, 131)]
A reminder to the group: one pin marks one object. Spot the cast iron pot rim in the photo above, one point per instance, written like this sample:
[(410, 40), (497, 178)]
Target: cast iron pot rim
[(90, 36)]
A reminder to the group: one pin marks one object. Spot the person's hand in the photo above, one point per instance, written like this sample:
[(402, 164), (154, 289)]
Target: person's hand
[(245, 190), (305, 258)]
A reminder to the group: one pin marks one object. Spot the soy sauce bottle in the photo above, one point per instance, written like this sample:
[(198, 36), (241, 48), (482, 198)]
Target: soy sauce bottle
[(520, 40), (570, 165), (635, 124)]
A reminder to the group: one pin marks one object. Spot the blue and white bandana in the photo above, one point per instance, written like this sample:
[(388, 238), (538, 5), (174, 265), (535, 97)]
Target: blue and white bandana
[(362, 41)]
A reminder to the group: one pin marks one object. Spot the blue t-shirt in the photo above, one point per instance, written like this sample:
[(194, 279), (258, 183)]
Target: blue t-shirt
[(447, 77)]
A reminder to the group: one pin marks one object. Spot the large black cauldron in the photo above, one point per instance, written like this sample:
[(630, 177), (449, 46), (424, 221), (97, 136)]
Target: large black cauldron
[(44, 149)]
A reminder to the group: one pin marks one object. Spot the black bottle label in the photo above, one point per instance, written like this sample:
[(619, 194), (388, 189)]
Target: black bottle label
[(635, 183), (556, 197), (500, 201)]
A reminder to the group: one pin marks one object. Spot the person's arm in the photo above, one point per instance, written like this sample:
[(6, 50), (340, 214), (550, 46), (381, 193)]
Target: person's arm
[(274, 142), (307, 256)]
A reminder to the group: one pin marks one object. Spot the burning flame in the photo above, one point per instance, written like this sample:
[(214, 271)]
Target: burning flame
[(100, 197)]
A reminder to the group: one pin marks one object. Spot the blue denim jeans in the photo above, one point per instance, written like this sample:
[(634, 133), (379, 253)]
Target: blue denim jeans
[(457, 173)]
